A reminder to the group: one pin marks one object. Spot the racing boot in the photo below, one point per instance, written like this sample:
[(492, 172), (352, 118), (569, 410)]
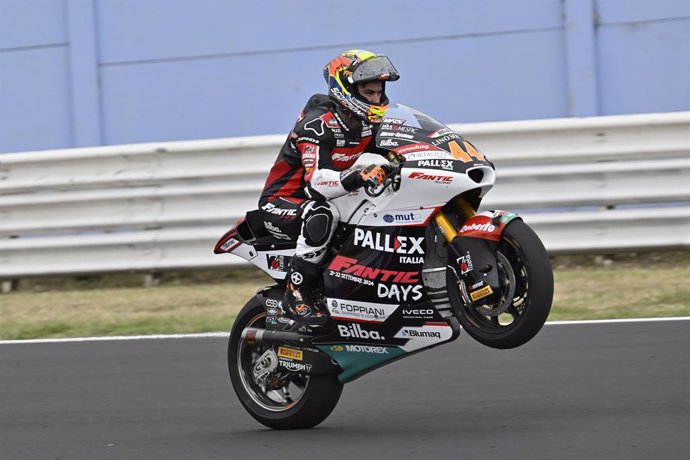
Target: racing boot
[(303, 281)]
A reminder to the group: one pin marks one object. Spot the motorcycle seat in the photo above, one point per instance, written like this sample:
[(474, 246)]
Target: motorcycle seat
[(252, 231)]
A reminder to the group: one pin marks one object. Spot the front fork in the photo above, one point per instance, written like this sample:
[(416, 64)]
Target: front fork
[(472, 250), (465, 210)]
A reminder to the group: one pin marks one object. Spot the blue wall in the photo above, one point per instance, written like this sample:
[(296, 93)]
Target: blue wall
[(97, 72)]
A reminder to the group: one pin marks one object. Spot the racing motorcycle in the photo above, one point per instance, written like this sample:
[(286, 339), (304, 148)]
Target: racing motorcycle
[(411, 263)]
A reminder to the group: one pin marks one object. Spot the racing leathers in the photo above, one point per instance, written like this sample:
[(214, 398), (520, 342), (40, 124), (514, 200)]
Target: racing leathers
[(311, 169)]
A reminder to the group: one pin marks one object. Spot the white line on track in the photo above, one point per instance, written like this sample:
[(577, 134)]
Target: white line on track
[(118, 337), (225, 334)]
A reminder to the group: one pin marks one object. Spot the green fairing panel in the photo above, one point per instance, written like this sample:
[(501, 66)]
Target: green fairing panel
[(355, 360)]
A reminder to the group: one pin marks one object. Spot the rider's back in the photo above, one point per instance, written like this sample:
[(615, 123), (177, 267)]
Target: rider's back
[(322, 130)]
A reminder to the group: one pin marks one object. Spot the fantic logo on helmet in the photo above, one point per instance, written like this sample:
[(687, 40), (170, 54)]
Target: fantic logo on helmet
[(352, 67)]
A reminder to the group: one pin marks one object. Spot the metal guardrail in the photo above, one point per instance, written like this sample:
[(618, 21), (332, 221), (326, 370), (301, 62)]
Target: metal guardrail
[(162, 206)]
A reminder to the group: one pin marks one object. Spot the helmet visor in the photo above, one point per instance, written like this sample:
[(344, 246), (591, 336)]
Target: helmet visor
[(376, 68)]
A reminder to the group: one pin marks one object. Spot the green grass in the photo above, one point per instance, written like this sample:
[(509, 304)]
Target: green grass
[(630, 293), (626, 286)]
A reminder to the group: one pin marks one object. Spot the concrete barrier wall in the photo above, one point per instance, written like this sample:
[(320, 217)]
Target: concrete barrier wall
[(79, 73), (592, 185)]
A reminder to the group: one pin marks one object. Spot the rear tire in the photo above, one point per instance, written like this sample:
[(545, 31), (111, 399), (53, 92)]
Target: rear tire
[(529, 262), (317, 394)]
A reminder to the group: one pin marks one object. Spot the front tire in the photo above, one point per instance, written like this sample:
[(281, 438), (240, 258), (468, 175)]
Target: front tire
[(277, 399), (527, 283)]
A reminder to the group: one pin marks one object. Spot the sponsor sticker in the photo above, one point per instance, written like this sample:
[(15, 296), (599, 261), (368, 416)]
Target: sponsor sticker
[(229, 244), (411, 260), (443, 164), (367, 349), (504, 217), (424, 155), (481, 293), (399, 292), (311, 140), (296, 278), (443, 139), (477, 285), (360, 311), (388, 243), (369, 311), (273, 209), (389, 143), (407, 217), (465, 263), (309, 155), (350, 266), (486, 227), (397, 127), (293, 366), (418, 313), (278, 263), (290, 353), (337, 348), (421, 336), (414, 333), (439, 179), (273, 303), (355, 331), (328, 183), (441, 132), (412, 148), (345, 157), (396, 134)]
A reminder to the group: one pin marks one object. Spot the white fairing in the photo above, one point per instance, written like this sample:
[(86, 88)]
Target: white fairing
[(423, 336), (261, 258), (422, 191)]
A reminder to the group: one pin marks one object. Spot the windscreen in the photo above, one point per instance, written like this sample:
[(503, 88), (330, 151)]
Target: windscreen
[(405, 130)]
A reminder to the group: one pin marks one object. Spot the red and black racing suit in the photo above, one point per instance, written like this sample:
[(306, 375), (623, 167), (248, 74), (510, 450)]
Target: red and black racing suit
[(312, 168)]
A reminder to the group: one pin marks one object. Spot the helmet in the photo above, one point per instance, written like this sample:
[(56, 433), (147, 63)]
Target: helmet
[(358, 66)]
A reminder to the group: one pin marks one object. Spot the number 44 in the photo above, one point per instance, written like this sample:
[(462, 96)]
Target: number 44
[(466, 152)]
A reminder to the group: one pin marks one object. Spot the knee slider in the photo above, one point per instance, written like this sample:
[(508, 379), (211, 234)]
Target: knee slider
[(318, 224)]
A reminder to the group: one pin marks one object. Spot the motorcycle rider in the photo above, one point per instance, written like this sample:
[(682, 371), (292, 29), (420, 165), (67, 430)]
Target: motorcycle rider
[(315, 165)]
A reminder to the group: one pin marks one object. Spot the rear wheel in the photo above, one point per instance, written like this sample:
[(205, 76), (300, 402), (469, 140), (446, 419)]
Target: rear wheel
[(526, 281), (275, 397)]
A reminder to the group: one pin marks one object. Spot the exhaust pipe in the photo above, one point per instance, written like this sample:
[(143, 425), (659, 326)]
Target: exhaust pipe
[(256, 336)]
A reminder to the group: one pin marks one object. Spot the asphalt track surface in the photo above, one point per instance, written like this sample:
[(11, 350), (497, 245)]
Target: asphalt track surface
[(592, 391)]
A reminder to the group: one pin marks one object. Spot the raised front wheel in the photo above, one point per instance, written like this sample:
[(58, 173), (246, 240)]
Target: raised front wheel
[(526, 279)]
